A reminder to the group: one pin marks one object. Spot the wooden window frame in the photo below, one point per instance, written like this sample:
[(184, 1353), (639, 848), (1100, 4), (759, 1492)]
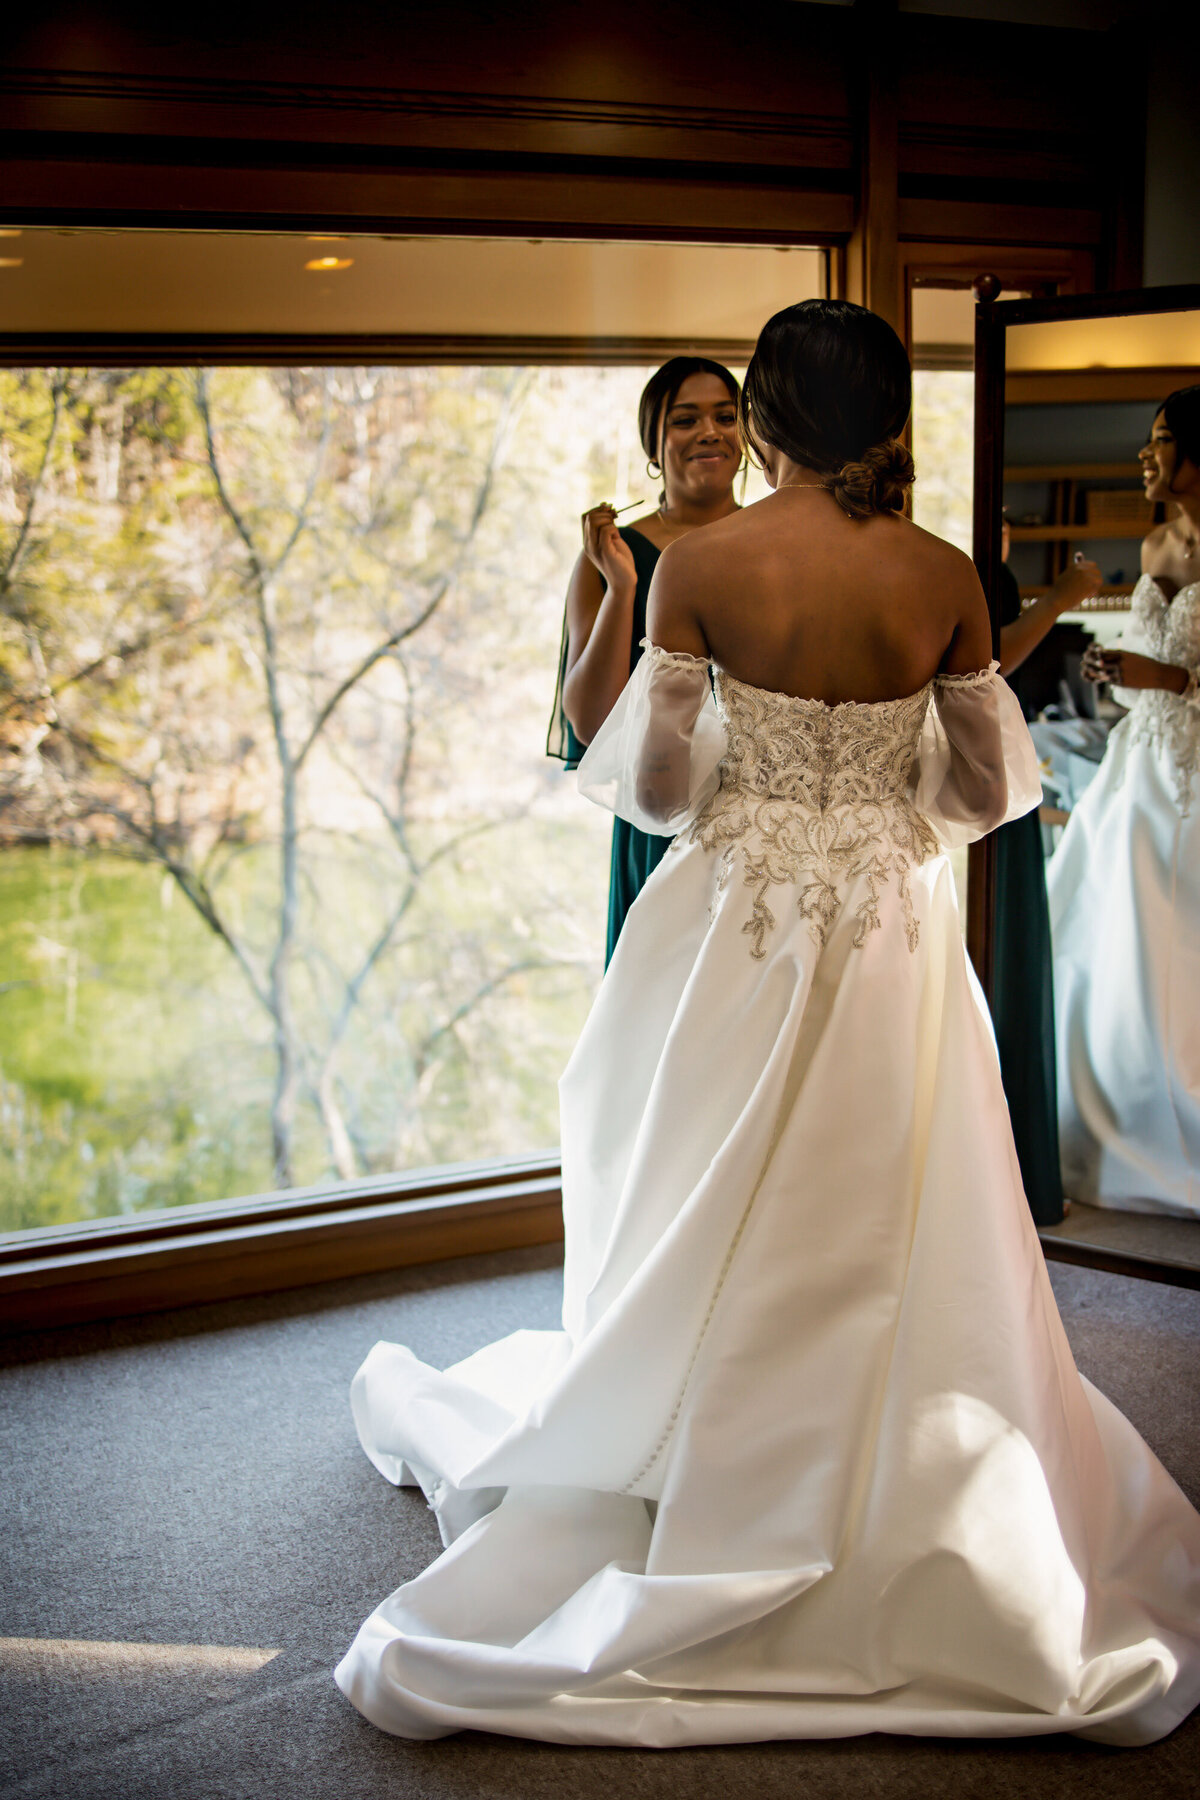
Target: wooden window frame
[(156, 1261), (259, 1243)]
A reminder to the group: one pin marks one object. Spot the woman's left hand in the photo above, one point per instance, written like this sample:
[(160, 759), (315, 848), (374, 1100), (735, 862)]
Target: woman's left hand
[(1100, 664), (1129, 669)]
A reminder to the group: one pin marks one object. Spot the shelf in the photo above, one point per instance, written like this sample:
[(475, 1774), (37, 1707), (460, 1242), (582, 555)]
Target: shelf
[(1071, 534), (1109, 599), (1127, 471)]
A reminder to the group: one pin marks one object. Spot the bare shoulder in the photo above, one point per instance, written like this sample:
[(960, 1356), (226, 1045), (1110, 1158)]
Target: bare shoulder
[(684, 582), (698, 554), (951, 593), (944, 562), (1156, 548)]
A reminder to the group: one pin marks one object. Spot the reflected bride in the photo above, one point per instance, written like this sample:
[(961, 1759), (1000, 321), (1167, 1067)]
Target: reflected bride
[(809, 1456), (1124, 883)]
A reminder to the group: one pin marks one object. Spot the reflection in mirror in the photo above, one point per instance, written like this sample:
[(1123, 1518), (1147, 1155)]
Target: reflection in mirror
[(1098, 897)]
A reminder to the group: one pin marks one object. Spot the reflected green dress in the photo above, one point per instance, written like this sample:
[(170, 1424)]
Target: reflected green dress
[(635, 854), (1023, 1003)]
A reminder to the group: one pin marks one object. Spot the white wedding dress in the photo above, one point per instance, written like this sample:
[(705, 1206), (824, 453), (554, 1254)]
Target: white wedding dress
[(1124, 888), (810, 1456)]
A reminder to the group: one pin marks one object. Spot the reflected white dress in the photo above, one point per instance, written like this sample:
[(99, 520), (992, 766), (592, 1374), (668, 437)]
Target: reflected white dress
[(1124, 888), (810, 1456)]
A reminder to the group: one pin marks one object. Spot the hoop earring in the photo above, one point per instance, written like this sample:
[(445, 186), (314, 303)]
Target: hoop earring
[(653, 468)]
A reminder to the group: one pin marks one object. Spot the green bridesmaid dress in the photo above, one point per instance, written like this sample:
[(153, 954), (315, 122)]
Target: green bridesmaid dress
[(635, 854), (1023, 1003)]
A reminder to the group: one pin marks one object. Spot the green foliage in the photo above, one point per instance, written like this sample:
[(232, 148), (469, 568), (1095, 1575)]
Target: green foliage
[(291, 890)]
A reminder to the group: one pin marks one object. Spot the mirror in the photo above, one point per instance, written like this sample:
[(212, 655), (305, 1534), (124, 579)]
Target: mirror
[(1088, 538)]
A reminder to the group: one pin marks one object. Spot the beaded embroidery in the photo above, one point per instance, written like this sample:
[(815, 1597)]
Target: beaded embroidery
[(1169, 724), (813, 796)]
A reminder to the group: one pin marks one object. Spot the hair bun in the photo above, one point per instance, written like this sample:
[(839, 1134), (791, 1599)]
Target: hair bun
[(878, 483)]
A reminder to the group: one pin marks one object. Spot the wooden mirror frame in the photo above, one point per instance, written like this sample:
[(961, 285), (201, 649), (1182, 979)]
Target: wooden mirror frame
[(992, 322)]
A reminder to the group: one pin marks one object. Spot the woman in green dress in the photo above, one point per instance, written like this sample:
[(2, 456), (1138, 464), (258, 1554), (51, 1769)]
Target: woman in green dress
[(688, 424), (1023, 991)]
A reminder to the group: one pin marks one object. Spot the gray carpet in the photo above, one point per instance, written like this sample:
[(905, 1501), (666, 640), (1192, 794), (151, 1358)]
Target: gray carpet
[(193, 1480)]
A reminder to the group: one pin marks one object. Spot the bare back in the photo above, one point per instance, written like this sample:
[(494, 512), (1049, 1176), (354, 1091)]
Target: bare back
[(793, 596)]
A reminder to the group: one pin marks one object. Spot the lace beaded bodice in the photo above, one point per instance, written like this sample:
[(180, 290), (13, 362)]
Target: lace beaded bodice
[(812, 795), (784, 748), (832, 804), (1166, 722)]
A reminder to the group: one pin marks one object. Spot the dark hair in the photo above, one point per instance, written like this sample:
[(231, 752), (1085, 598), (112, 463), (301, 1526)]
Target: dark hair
[(1181, 411), (659, 394), (830, 385)]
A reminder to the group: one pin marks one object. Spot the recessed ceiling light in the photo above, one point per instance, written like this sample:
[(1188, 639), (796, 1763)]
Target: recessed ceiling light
[(325, 263), (11, 262)]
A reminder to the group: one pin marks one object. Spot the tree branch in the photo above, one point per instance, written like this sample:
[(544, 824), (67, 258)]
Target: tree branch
[(223, 495), (189, 881), (13, 561), (318, 463), (467, 1006), (441, 587)]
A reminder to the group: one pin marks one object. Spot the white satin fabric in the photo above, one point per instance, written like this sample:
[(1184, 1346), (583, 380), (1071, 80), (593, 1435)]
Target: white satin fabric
[(810, 1456), (1124, 888)]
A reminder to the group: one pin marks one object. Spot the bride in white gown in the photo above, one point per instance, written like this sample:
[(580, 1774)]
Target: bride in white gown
[(1124, 884), (809, 1456)]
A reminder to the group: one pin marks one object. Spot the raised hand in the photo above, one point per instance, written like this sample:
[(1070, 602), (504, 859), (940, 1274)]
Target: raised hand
[(606, 548), (1078, 582)]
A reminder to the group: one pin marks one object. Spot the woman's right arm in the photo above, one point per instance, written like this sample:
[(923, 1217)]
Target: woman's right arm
[(1077, 583), (963, 787), (599, 624), (970, 646)]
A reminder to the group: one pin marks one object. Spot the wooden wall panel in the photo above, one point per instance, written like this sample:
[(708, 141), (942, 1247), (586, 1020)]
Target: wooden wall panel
[(672, 121), (773, 58), (299, 196)]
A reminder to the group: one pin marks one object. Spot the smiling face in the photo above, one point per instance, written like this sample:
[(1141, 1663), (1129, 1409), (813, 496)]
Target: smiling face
[(698, 440), (1166, 474)]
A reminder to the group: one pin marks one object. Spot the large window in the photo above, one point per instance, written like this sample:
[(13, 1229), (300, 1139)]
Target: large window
[(290, 889)]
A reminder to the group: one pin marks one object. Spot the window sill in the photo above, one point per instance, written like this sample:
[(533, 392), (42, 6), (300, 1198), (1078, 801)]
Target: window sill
[(152, 1262)]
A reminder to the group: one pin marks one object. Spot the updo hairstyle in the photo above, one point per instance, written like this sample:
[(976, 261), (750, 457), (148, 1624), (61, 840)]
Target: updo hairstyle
[(660, 392), (830, 385), (1180, 412)]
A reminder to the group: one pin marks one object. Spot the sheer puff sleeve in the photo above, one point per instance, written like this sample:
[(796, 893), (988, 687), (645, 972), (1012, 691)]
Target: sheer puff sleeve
[(976, 766), (655, 760)]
